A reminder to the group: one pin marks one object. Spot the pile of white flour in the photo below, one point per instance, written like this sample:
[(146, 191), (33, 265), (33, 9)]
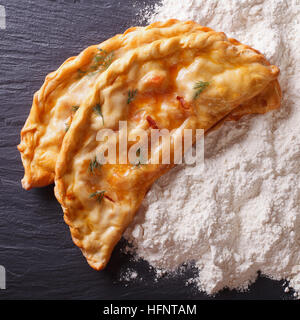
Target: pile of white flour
[(242, 214)]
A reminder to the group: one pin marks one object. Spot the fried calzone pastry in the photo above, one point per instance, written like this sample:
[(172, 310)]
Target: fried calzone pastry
[(63, 91), (191, 81)]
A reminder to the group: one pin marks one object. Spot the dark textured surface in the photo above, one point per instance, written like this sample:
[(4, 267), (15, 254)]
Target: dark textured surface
[(35, 244)]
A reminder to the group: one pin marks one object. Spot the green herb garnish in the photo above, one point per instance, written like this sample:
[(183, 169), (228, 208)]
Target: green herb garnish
[(98, 195), (75, 108), (199, 87), (80, 73), (94, 164), (131, 95), (67, 127), (141, 161), (102, 60), (98, 111), (138, 153)]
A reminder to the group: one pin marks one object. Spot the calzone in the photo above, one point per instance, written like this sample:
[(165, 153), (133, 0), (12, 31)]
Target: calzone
[(190, 80)]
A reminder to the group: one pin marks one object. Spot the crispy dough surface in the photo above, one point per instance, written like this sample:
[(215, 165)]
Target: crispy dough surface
[(52, 109), (241, 81)]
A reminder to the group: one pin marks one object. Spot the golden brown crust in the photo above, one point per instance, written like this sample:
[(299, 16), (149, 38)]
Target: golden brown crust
[(269, 99), (237, 75)]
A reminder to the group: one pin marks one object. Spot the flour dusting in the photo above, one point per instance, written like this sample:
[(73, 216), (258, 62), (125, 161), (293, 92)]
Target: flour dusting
[(242, 215)]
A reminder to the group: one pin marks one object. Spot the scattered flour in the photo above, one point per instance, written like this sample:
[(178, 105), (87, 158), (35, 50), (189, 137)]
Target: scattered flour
[(129, 275), (242, 214)]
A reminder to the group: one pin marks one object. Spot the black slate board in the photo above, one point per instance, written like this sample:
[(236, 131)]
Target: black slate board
[(35, 245)]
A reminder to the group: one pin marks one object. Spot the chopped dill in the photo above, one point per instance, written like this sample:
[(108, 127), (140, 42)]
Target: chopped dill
[(98, 195), (98, 111), (94, 164), (199, 87), (67, 127), (75, 108), (102, 60), (131, 95)]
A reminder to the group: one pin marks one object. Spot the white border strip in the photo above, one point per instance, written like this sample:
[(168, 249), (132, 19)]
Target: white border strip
[(2, 17), (2, 278)]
